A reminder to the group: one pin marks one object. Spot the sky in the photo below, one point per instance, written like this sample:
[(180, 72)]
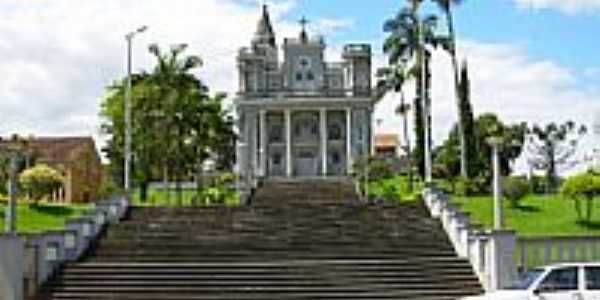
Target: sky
[(530, 60)]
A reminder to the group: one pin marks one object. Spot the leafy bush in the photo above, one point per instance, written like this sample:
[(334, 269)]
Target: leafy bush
[(108, 188), (515, 189), (583, 186), (390, 192), (465, 187), (378, 169), (40, 181), (538, 184), (226, 179)]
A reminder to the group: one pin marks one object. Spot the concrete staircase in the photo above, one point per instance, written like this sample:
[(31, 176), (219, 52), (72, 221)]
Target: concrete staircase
[(298, 240)]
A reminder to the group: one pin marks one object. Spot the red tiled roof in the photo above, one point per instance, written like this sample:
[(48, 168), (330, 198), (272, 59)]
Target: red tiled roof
[(386, 140), (54, 149)]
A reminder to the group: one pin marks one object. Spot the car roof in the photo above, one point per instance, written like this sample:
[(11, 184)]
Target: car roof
[(573, 264)]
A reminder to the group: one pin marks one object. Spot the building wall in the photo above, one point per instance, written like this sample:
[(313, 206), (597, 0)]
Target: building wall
[(86, 175), (82, 175)]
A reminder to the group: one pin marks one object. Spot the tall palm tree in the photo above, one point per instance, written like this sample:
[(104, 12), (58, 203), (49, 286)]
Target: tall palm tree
[(403, 110), (392, 79), (402, 45), (446, 6), (179, 90), (410, 34)]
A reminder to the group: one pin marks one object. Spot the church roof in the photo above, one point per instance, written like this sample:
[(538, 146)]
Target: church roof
[(54, 149), (385, 140), (264, 30)]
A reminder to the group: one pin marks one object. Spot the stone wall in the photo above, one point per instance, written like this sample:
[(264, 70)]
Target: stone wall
[(490, 252), (28, 261)]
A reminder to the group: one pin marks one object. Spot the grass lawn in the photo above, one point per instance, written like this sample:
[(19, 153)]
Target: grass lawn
[(44, 217), (538, 215), (158, 197), (395, 189)]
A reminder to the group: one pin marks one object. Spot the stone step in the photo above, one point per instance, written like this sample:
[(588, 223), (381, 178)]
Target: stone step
[(297, 240), (451, 275), (426, 294)]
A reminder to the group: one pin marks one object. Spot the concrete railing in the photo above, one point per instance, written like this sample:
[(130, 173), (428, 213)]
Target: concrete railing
[(28, 261), (539, 251), (490, 252)]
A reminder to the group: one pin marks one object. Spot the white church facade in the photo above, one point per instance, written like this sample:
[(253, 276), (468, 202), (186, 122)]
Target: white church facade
[(304, 116)]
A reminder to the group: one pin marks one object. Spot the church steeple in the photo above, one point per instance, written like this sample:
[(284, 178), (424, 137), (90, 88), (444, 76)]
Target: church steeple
[(264, 30)]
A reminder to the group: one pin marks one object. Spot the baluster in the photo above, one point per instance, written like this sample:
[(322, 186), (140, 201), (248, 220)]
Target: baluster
[(560, 250), (572, 254), (547, 252), (523, 257), (538, 255), (584, 250)]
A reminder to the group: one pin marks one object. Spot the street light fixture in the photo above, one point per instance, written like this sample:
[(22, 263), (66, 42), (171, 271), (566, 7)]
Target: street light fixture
[(129, 38)]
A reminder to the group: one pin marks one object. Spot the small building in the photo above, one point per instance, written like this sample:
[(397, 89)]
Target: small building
[(387, 145), (76, 158), (304, 116)]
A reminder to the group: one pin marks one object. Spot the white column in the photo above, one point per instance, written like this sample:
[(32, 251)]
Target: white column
[(12, 262), (288, 142), (263, 142), (372, 125), (349, 160), (254, 141), (498, 210), (323, 119), (502, 267)]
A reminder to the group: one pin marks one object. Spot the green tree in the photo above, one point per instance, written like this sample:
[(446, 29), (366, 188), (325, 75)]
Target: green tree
[(392, 79), (40, 181), (177, 125), (19, 147), (551, 147), (489, 125), (145, 145), (468, 143), (585, 186), (485, 126), (409, 36), (180, 92), (447, 6)]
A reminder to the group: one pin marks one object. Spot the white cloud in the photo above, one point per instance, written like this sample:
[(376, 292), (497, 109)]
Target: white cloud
[(507, 81), (567, 6), (57, 57)]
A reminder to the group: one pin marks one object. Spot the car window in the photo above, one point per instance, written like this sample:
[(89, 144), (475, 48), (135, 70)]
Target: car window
[(563, 279), (592, 278), (526, 280)]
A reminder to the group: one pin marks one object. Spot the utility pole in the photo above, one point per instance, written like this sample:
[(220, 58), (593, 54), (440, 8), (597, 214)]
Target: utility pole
[(127, 176)]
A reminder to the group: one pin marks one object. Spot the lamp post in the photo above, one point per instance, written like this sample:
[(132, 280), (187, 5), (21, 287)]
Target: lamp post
[(127, 180), (496, 143)]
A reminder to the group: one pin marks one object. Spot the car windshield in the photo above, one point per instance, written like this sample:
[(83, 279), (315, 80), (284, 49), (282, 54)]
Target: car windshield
[(525, 281)]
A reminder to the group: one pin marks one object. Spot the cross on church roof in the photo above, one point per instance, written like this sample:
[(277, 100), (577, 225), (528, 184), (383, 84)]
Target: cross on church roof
[(304, 22), (303, 34)]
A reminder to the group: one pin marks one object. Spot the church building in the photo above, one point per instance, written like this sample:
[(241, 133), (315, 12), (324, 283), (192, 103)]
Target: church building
[(303, 117)]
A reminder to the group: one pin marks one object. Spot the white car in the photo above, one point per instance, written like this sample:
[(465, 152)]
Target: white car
[(571, 281)]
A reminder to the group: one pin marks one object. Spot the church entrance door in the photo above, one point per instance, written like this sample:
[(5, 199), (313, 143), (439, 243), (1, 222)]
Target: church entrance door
[(305, 138), (306, 163)]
